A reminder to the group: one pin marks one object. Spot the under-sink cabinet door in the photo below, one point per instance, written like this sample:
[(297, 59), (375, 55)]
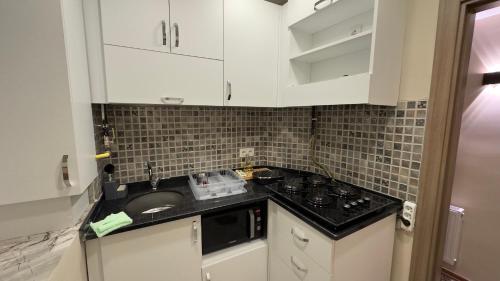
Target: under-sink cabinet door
[(197, 27), (142, 24), (138, 76), (164, 252)]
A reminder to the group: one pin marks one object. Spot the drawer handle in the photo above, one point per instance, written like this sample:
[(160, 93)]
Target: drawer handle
[(169, 100), (208, 278), (300, 238), (298, 267)]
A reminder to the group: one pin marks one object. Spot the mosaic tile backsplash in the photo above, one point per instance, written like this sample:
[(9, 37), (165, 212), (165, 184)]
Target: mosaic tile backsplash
[(376, 147)]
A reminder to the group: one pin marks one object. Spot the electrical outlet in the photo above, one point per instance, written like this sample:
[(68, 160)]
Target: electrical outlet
[(409, 212), (247, 152)]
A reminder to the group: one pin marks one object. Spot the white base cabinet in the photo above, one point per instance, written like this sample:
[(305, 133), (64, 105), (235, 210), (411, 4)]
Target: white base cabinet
[(299, 252), (45, 110), (246, 262), (164, 252)]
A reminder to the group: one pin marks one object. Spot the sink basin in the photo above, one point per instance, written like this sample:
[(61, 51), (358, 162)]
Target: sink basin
[(153, 202)]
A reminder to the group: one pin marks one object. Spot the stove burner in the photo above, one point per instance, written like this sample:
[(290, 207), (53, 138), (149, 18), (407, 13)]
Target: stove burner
[(318, 199), (343, 191), (292, 186), (316, 180)]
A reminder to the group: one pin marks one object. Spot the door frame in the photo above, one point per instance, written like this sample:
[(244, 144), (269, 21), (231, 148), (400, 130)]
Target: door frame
[(451, 61)]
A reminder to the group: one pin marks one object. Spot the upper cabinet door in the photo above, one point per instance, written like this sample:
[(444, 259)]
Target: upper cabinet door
[(136, 76), (251, 39), (197, 28), (142, 24)]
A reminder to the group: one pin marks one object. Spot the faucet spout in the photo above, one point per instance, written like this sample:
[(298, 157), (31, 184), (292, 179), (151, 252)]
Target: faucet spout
[(153, 181)]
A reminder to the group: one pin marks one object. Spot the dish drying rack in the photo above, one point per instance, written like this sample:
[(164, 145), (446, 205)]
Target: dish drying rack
[(216, 184)]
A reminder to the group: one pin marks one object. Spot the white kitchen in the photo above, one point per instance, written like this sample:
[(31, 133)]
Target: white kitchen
[(213, 140)]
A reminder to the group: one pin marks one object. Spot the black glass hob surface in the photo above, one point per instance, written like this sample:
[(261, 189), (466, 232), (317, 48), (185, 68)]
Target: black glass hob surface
[(339, 204)]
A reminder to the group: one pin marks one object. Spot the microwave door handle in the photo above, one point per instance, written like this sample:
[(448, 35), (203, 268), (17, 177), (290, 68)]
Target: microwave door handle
[(252, 224)]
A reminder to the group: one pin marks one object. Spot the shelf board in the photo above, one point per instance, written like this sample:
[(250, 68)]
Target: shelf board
[(335, 13), (353, 89), (358, 42)]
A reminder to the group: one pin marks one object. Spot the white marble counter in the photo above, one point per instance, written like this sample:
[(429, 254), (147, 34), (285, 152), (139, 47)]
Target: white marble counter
[(34, 257)]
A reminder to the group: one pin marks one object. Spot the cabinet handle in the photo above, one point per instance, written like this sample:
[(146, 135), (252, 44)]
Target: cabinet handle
[(229, 90), (319, 2), (170, 100), (65, 170), (195, 232), (207, 277), (176, 31), (164, 32), (298, 267), (300, 238)]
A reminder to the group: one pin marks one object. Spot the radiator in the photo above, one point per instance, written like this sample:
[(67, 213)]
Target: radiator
[(453, 235)]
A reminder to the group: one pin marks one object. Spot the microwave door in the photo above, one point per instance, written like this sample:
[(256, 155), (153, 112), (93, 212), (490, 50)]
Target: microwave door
[(223, 230)]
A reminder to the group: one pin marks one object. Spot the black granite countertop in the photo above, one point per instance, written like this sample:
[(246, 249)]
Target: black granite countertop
[(191, 207), (187, 208)]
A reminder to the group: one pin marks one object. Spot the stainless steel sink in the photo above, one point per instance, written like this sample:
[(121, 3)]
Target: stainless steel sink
[(153, 202)]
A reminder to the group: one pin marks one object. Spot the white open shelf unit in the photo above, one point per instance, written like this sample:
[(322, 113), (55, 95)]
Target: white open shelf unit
[(348, 52), (358, 42)]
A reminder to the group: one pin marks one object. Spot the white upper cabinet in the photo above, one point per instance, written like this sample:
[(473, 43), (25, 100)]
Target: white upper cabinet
[(142, 24), (197, 28), (137, 76), (341, 52), (45, 110), (156, 51), (251, 40)]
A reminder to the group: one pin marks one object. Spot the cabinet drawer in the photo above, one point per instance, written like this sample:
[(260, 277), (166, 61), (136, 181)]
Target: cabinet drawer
[(291, 236), (295, 268)]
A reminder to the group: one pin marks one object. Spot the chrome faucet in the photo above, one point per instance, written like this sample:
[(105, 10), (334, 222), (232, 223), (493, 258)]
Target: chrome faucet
[(154, 181)]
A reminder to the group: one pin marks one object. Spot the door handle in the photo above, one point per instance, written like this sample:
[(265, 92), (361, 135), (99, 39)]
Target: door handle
[(176, 31), (195, 232), (65, 170), (252, 224), (164, 32), (229, 90)]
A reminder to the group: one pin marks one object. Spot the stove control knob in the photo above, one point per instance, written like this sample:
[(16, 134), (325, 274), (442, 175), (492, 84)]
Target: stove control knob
[(347, 207), (367, 200), (354, 204), (361, 201)]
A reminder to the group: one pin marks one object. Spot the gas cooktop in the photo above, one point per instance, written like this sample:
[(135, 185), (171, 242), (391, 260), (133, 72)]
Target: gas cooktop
[(339, 204)]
